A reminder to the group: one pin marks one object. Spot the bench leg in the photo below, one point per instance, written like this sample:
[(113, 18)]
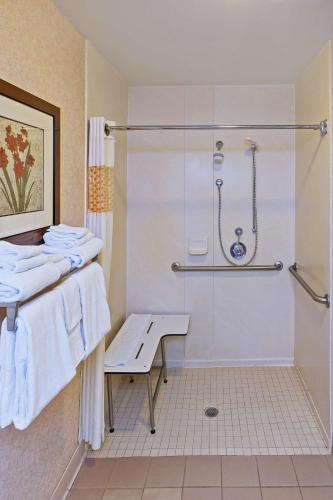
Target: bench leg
[(110, 402), (165, 374), (131, 379), (151, 404)]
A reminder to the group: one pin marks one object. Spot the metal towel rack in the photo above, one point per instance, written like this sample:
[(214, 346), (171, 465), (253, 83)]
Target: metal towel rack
[(13, 307), (321, 299), (178, 268)]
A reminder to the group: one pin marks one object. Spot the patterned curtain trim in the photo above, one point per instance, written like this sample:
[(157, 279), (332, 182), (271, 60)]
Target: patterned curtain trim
[(100, 189)]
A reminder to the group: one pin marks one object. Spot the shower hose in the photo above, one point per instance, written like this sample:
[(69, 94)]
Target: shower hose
[(254, 215)]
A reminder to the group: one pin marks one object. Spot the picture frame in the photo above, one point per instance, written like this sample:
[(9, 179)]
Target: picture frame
[(29, 165)]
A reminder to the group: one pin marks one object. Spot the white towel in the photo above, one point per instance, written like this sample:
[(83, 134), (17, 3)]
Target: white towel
[(68, 231), (96, 322), (54, 239), (10, 265), (7, 374), (21, 286), (70, 294), (18, 252), (55, 257), (127, 340), (78, 255), (64, 266), (43, 361)]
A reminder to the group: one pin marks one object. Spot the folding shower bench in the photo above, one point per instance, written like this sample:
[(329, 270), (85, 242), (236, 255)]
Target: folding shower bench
[(141, 361)]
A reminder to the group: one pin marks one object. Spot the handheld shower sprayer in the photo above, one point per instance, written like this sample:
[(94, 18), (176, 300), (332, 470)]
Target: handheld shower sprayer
[(218, 156)]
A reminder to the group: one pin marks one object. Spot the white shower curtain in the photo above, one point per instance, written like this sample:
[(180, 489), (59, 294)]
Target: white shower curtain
[(100, 222)]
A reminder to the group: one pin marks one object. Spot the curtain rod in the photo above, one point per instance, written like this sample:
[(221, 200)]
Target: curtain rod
[(322, 127)]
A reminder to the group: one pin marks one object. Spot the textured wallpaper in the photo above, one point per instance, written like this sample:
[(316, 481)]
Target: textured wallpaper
[(42, 53)]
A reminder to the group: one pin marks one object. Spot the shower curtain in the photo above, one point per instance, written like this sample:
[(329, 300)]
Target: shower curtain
[(100, 222)]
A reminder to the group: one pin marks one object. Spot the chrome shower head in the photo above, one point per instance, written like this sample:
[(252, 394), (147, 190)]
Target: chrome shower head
[(218, 156)]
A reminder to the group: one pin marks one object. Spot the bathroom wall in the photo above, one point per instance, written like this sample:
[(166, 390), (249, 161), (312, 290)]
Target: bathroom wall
[(313, 232), (236, 319), (42, 53), (107, 95)]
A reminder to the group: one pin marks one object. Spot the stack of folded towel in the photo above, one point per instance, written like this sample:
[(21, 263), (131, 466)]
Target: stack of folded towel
[(24, 271), (77, 244)]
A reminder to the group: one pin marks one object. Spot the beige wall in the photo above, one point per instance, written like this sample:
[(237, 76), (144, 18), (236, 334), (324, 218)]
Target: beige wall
[(42, 53), (313, 228), (107, 96)]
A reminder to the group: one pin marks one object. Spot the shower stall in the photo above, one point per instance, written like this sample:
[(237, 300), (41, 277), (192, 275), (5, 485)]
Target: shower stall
[(217, 221)]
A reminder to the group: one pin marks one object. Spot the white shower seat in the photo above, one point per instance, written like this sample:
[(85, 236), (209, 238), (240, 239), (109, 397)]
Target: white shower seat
[(161, 326)]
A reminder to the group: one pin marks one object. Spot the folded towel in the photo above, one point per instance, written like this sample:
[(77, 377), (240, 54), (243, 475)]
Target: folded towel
[(78, 255), (70, 294), (64, 266), (19, 266), (96, 321), (68, 231), (56, 257), (7, 375), (43, 361), (21, 286), (128, 339), (54, 239), (18, 252)]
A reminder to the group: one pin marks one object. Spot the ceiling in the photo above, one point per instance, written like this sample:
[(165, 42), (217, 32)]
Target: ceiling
[(175, 42)]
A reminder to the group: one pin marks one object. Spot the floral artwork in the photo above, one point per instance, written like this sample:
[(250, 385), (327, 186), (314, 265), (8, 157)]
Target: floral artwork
[(21, 168)]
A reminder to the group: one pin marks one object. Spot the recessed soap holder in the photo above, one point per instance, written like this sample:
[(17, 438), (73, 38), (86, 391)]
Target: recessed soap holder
[(198, 246)]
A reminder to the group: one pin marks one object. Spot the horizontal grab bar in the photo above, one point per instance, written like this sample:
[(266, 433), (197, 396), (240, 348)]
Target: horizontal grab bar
[(178, 268), (321, 299)]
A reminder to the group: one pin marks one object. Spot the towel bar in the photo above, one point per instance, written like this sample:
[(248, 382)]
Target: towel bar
[(13, 307), (321, 299), (178, 268)]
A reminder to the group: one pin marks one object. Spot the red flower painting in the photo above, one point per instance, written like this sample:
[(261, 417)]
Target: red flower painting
[(16, 164)]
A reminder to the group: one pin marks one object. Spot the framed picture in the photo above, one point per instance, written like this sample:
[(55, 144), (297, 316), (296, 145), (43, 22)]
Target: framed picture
[(29, 165)]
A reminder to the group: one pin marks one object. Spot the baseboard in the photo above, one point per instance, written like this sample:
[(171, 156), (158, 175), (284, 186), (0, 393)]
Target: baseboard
[(67, 479), (203, 363), (315, 411)]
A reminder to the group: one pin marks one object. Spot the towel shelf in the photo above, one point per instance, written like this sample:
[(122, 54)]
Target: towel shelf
[(178, 268), (321, 299), (13, 307)]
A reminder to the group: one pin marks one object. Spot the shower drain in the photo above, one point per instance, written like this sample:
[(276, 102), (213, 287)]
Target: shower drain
[(211, 412)]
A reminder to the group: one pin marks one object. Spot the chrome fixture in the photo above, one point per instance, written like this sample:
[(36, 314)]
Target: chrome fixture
[(178, 268), (218, 156), (321, 299), (238, 249), (322, 127)]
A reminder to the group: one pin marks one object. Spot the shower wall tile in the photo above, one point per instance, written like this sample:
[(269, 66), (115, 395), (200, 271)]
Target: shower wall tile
[(199, 219), (156, 206)]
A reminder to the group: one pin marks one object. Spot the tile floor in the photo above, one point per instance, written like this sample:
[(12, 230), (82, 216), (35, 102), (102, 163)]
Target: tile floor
[(262, 411), (205, 478)]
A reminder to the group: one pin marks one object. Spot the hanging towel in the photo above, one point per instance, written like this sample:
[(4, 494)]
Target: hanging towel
[(70, 294), (78, 255), (54, 239), (21, 286), (12, 265), (127, 340), (7, 375), (64, 231), (18, 252), (43, 361), (96, 322)]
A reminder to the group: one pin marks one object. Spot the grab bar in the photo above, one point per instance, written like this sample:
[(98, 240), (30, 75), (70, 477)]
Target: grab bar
[(178, 268), (325, 299)]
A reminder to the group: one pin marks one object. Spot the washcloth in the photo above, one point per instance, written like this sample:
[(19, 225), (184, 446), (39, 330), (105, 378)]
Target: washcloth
[(7, 375), (96, 321), (21, 286), (70, 294), (12, 265), (53, 239), (18, 252), (127, 340), (43, 361), (62, 230), (78, 255)]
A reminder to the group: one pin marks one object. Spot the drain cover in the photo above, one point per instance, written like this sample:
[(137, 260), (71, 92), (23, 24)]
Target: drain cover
[(211, 411)]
